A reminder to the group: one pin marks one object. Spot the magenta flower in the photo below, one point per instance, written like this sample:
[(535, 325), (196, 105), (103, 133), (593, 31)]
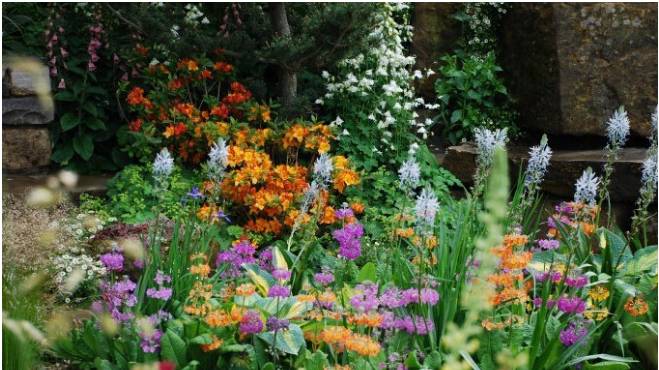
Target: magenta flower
[(113, 261), (150, 343), (281, 274), (279, 291), (162, 293), (548, 244), (571, 305), (251, 323), (573, 333), (349, 240), (324, 278), (576, 282)]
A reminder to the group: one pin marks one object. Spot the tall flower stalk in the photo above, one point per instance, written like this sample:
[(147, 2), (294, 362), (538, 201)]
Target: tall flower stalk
[(487, 142), (617, 131), (539, 157), (648, 189)]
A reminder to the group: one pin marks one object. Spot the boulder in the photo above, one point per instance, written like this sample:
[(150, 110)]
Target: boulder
[(435, 34), (24, 79), (565, 168), (25, 111), (582, 62), (25, 149)]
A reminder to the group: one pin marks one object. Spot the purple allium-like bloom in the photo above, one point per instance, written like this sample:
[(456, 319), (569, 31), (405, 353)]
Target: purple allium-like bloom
[(161, 278), (343, 212), (139, 264), (429, 296), (159, 317), (150, 343), (113, 261), (281, 274), (541, 276), (564, 207), (324, 278), (415, 325), (234, 258), (251, 323), (391, 298), (548, 244), (274, 324), (265, 260), (366, 298), (576, 282), (194, 193), (537, 301), (572, 305), (279, 291), (555, 276), (573, 333), (349, 240), (162, 293), (118, 296)]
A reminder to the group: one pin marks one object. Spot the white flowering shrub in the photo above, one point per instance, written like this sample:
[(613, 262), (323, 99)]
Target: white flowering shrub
[(372, 95), (75, 262)]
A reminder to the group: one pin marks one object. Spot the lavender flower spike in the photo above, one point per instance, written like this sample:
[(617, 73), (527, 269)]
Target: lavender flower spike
[(539, 157), (163, 165), (586, 187), (426, 208), (322, 169), (218, 158), (617, 128), (487, 141), (409, 174)]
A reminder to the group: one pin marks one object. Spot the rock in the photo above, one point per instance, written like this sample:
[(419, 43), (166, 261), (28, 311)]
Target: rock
[(565, 168), (25, 149), (435, 34), (26, 111), (583, 61), (25, 79)]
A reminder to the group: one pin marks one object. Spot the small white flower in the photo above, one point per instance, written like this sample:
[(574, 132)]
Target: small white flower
[(163, 165), (586, 187), (617, 128)]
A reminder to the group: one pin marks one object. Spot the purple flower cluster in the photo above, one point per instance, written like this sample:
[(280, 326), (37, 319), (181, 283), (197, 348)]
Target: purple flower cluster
[(94, 44), (162, 293), (281, 274), (366, 298), (576, 282), (324, 278), (344, 212), (571, 305), (150, 342), (274, 324), (411, 324), (348, 238), (279, 291), (548, 244), (232, 259), (573, 333), (251, 323), (116, 297), (113, 261), (395, 298), (265, 260)]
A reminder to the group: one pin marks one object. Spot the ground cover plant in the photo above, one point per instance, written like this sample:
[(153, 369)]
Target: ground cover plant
[(247, 237)]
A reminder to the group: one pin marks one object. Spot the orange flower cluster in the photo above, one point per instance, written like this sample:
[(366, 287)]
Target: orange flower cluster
[(575, 215), (315, 137), (636, 306), (188, 124), (344, 339), (509, 282), (215, 344), (343, 174), (372, 320), (199, 298), (221, 319)]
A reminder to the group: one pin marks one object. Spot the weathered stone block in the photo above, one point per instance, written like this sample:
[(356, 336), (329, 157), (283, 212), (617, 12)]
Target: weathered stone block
[(25, 81), (25, 148), (571, 64), (25, 111)]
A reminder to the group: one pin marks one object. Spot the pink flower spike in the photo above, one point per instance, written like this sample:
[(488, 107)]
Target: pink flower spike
[(62, 84)]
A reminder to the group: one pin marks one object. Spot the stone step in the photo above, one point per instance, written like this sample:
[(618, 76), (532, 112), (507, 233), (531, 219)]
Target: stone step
[(18, 185), (565, 168)]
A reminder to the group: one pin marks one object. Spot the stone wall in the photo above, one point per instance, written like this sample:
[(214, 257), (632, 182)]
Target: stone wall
[(26, 144)]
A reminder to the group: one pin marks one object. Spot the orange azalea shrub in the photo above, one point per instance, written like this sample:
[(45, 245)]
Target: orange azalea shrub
[(186, 106)]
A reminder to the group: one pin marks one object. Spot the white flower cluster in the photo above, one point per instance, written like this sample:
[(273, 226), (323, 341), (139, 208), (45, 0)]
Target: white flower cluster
[(539, 157), (487, 141), (69, 263), (322, 169), (409, 174), (218, 160), (83, 226), (617, 128), (586, 187), (480, 19), (426, 208), (163, 165), (382, 72), (193, 15)]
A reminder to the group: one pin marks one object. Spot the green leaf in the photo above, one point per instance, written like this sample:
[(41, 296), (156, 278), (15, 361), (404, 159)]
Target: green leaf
[(367, 273), (644, 259), (90, 108), (607, 365), (456, 116), (84, 146), (65, 96), (173, 348), (601, 356), (288, 341), (69, 121), (411, 362), (278, 260), (102, 364), (95, 124), (63, 153)]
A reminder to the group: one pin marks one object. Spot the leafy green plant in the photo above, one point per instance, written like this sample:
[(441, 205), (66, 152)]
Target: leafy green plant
[(472, 94)]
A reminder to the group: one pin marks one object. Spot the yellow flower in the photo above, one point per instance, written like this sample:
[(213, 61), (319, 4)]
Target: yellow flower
[(599, 293)]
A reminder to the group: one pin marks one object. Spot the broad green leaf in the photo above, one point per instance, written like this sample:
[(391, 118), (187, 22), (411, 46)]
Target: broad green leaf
[(262, 281), (600, 356), (278, 260), (607, 365), (90, 108), (69, 121), (63, 153), (411, 362), (644, 259), (173, 348), (84, 146), (367, 273), (298, 309), (456, 116), (288, 341), (95, 124), (65, 96)]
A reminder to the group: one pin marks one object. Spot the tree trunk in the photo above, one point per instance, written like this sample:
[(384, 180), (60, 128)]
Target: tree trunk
[(287, 76)]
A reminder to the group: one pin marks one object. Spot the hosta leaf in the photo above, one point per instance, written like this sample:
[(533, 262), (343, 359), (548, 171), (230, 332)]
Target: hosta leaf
[(288, 341), (69, 121), (278, 260), (173, 348), (84, 146)]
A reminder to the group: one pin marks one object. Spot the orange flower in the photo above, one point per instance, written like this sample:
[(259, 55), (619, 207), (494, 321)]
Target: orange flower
[(206, 74), (405, 233), (328, 216), (508, 295), (357, 207), (372, 320), (515, 240), (135, 125), (135, 96), (516, 261), (202, 270), (223, 67), (218, 319), (345, 178), (215, 344), (636, 306), (175, 84), (587, 228), (363, 345), (245, 290)]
